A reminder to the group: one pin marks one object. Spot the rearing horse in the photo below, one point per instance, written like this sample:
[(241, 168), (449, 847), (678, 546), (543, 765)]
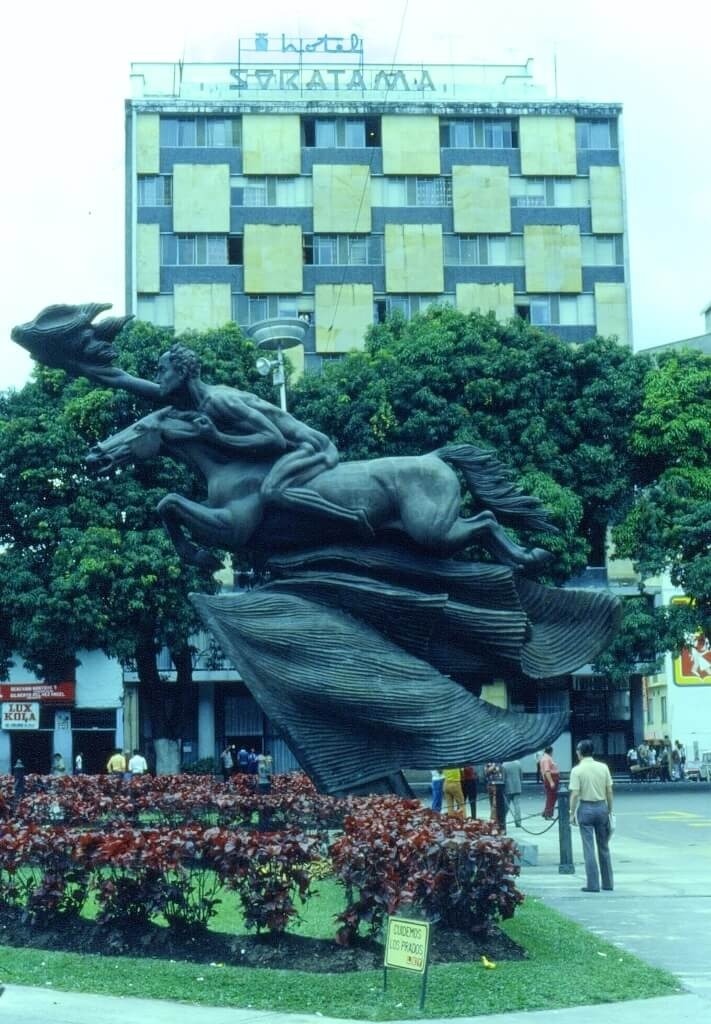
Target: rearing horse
[(414, 498)]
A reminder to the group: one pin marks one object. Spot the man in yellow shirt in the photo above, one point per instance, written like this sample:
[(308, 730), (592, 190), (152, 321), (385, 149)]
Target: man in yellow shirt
[(591, 808), (116, 764)]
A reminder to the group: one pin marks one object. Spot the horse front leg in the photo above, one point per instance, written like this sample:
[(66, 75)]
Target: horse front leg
[(211, 526)]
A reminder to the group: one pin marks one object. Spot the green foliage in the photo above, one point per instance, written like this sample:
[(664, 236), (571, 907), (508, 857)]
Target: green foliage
[(668, 529)]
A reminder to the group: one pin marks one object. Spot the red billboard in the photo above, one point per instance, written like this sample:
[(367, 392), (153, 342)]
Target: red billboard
[(45, 693)]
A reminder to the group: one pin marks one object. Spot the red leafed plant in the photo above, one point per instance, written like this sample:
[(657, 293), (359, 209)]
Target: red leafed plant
[(395, 856)]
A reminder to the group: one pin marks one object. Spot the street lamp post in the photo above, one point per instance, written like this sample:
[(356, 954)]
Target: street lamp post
[(275, 336)]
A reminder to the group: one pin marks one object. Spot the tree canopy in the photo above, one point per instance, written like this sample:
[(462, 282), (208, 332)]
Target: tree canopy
[(668, 529)]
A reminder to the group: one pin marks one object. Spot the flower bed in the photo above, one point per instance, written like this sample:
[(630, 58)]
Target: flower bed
[(171, 848)]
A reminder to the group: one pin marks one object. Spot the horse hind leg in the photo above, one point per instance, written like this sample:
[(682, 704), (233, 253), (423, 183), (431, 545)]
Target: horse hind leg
[(485, 530)]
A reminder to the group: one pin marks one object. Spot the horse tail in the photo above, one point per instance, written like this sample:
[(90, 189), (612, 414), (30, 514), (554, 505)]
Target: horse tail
[(490, 483)]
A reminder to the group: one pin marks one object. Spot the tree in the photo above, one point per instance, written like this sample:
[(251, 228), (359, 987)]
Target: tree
[(558, 414), (86, 563), (668, 529)]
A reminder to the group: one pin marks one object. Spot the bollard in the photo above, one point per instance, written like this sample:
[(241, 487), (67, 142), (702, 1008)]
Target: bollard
[(19, 772), (499, 805), (566, 866)]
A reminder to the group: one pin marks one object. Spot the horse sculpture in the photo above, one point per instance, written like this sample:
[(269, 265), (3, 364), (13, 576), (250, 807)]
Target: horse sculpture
[(413, 499), (369, 646)]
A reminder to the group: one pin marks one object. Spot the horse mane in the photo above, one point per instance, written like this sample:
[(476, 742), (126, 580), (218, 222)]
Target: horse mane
[(490, 483)]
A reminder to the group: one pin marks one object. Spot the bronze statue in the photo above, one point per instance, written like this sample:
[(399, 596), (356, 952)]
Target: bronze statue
[(369, 646)]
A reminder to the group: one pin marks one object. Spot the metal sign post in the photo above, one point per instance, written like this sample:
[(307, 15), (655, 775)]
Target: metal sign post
[(407, 944)]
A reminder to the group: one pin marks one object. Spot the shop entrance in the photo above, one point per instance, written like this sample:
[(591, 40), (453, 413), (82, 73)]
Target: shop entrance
[(96, 746), (34, 748)]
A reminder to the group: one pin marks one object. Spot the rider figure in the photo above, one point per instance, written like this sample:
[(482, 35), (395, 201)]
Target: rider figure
[(241, 421)]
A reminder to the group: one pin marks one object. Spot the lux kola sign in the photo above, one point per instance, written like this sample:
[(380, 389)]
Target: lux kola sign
[(20, 714)]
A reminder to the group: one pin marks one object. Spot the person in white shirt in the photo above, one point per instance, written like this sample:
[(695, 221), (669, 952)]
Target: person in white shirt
[(591, 808), (137, 764)]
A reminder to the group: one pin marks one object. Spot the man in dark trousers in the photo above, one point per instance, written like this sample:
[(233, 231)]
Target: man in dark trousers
[(591, 809)]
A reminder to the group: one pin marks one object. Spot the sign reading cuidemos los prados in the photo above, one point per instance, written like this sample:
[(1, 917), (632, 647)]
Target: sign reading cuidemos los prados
[(406, 947)]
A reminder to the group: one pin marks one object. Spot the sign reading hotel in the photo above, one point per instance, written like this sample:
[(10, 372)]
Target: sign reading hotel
[(20, 714), (693, 666), (45, 693)]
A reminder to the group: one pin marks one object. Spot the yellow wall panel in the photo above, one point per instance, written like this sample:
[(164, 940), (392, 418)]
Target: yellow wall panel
[(273, 259), (486, 298), (294, 357), (547, 145), (553, 257), (271, 144), (481, 199), (414, 258), (343, 315), (147, 144), (606, 200), (410, 144), (148, 258), (341, 198), (201, 197), (199, 307), (611, 311)]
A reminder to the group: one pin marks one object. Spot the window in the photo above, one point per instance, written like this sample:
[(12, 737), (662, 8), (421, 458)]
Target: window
[(347, 250), (193, 250), (235, 255), (411, 191), (250, 309), (340, 132), (650, 709), (483, 250), (270, 191), (407, 305), (561, 310), (570, 192), (213, 132), (602, 250), (479, 133), (597, 134), (156, 309), (663, 709), (155, 190)]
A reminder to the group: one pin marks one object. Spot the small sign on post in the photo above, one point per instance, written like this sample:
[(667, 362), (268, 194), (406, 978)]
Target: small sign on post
[(407, 947)]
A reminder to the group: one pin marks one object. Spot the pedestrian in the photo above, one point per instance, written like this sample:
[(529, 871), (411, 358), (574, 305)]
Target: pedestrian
[(494, 775), (264, 773), (437, 790), (78, 763), (550, 773), (138, 764), (58, 765), (633, 764), (591, 809), (469, 787), (227, 762), (242, 761), (513, 785), (116, 764), (453, 791), (252, 761), (682, 759)]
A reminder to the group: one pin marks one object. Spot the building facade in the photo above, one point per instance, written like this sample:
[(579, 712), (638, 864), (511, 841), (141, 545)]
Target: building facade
[(340, 192)]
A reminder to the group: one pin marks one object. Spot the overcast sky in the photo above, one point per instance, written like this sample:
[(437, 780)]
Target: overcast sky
[(64, 73)]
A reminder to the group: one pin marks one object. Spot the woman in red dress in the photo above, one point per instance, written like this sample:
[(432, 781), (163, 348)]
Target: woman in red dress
[(550, 773)]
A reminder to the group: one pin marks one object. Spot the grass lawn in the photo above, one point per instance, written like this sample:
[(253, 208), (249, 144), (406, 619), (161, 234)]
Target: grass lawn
[(567, 966)]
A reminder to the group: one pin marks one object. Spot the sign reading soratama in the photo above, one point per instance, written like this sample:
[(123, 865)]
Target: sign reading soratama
[(45, 693)]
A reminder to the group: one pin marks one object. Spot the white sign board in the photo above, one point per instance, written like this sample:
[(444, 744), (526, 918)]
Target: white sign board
[(20, 714)]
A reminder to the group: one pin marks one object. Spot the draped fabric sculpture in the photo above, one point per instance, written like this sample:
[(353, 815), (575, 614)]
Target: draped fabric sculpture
[(365, 645)]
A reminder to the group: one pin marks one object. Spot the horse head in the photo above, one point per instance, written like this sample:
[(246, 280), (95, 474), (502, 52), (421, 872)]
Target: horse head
[(142, 440)]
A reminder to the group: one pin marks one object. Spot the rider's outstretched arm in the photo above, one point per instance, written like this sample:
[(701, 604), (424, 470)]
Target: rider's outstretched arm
[(115, 377)]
